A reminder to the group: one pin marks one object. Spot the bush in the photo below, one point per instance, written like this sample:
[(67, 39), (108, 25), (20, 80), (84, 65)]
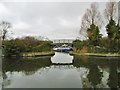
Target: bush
[(44, 47), (97, 49), (28, 44), (12, 48), (78, 45)]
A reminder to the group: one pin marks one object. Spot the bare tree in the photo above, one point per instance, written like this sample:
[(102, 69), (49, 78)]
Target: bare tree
[(119, 12), (4, 26), (110, 10), (91, 16)]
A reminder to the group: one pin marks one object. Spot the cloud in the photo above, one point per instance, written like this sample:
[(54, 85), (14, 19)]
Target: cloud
[(50, 19), (56, 0), (4, 11)]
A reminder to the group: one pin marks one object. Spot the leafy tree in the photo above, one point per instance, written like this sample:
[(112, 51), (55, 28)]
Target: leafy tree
[(111, 29), (77, 44), (11, 48), (94, 34), (117, 31), (44, 47)]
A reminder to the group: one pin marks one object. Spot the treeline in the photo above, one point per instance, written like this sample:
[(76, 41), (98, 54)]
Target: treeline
[(105, 46), (90, 28), (23, 45)]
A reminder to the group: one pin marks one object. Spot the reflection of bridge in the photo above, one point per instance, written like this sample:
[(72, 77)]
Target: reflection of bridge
[(88, 67)]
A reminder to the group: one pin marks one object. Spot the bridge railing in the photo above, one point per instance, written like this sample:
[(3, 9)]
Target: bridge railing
[(63, 41)]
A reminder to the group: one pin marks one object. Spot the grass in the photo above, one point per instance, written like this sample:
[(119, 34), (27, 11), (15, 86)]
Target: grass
[(97, 54), (31, 54)]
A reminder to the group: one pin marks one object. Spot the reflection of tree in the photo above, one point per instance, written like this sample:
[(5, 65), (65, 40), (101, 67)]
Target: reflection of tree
[(6, 81), (80, 61), (113, 75), (119, 79), (28, 66), (29, 72), (83, 77), (94, 76), (119, 74)]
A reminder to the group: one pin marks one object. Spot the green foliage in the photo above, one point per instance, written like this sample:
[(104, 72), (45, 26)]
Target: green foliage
[(112, 29), (117, 32), (104, 46), (97, 49), (27, 44), (12, 48), (44, 47), (93, 34), (79, 44), (104, 42), (97, 44)]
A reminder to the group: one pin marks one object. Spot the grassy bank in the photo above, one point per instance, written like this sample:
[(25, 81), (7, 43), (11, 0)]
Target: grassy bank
[(97, 54), (36, 54)]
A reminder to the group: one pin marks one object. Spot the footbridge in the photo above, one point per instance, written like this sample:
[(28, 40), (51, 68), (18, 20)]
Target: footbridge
[(60, 42)]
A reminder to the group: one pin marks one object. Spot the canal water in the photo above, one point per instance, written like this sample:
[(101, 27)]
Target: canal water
[(61, 71)]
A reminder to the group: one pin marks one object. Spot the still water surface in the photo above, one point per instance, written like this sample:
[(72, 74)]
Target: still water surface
[(61, 71)]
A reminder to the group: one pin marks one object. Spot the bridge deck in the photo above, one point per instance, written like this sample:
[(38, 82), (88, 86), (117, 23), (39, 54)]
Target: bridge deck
[(63, 41)]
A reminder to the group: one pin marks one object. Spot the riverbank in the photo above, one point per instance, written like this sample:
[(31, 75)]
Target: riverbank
[(37, 54), (96, 54), (34, 54)]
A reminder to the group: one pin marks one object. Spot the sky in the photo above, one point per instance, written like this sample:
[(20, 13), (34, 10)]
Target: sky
[(55, 19)]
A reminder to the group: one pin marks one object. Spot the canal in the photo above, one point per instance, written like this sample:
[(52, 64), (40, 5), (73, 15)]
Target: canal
[(61, 71)]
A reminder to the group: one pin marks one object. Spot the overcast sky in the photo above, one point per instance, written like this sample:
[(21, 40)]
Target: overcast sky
[(55, 20)]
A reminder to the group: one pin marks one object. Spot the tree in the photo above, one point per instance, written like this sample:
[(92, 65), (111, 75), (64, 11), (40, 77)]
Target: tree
[(93, 34), (118, 31), (111, 29), (110, 15), (110, 10), (18, 46), (91, 16), (77, 44), (4, 27)]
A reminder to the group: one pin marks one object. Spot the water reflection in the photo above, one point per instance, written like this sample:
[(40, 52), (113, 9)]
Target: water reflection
[(118, 73), (113, 75), (0, 71), (99, 68), (62, 58), (83, 72), (96, 80)]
